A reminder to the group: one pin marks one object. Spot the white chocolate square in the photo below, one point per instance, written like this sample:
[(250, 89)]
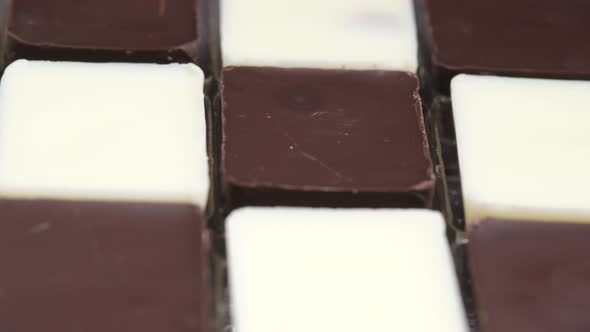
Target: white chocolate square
[(524, 147), (345, 270), (352, 34), (109, 131)]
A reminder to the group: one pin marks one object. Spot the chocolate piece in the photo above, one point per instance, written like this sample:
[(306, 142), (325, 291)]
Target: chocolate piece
[(523, 147), (324, 138), (107, 30), (544, 38), (318, 269), (531, 276), (351, 34), (102, 266), (142, 138)]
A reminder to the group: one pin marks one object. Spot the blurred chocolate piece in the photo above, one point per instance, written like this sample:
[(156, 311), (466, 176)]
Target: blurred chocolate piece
[(544, 38), (110, 30), (351, 34), (531, 276), (310, 137), (333, 262), (102, 266)]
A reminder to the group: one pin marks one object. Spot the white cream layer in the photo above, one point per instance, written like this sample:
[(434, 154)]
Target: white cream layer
[(345, 270), (353, 34), (110, 131), (524, 147)]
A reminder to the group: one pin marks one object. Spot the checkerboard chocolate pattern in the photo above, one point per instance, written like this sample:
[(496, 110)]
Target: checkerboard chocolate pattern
[(278, 165)]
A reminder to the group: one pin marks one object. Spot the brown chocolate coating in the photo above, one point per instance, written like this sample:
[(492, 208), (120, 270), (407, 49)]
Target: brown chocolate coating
[(89, 266), (540, 38), (531, 276), (324, 138), (106, 30)]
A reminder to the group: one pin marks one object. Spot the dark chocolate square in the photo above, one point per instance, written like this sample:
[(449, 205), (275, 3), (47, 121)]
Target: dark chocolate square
[(310, 137), (102, 266), (106, 30), (531, 276), (541, 38)]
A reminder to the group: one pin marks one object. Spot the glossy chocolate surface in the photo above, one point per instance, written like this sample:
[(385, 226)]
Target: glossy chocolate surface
[(295, 136), (541, 38), (106, 30), (531, 276), (87, 266)]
